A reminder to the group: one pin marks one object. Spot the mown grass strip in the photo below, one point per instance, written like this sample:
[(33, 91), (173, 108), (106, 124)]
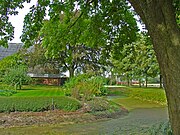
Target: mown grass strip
[(39, 91)]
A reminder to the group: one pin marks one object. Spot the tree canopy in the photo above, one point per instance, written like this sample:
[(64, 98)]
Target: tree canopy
[(137, 60)]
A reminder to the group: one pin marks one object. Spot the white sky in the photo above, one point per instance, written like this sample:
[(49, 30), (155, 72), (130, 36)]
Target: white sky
[(17, 21)]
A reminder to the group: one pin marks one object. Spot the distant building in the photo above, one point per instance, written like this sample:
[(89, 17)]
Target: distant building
[(49, 79), (12, 49)]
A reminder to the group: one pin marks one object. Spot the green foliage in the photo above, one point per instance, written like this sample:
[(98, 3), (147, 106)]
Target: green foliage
[(161, 129), (37, 104), (17, 76), (68, 47), (4, 86), (38, 63), (9, 62), (136, 60), (80, 38), (6, 28), (85, 86), (7, 92)]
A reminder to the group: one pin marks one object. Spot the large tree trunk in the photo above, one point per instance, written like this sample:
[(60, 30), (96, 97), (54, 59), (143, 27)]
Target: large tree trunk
[(159, 17), (160, 81), (71, 72), (146, 81)]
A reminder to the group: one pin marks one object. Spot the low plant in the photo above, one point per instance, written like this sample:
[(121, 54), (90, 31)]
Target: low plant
[(85, 87), (104, 108), (7, 92), (17, 76), (37, 104), (161, 129)]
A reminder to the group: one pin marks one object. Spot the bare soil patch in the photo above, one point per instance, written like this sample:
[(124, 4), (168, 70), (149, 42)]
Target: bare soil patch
[(16, 119)]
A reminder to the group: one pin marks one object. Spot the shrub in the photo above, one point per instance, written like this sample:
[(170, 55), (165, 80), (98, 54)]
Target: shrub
[(101, 104), (161, 129), (85, 86), (17, 76), (36, 104), (103, 108), (7, 92)]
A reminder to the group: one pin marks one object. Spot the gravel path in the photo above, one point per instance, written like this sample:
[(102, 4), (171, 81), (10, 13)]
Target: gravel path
[(137, 122)]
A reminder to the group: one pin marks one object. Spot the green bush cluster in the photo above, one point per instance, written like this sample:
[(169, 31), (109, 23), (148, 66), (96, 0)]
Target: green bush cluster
[(37, 104), (7, 92), (85, 87), (157, 96), (17, 76)]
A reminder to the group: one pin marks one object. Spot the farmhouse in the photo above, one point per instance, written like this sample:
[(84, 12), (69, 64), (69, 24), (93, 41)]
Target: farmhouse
[(48, 79)]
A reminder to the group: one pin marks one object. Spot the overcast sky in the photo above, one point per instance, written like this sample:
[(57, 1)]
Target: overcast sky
[(17, 21)]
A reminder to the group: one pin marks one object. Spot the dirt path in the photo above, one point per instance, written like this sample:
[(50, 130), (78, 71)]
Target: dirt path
[(137, 122)]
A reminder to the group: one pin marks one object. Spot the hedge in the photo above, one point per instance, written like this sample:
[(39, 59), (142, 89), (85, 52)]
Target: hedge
[(38, 104)]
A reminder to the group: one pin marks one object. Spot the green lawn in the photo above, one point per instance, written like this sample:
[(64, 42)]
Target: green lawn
[(38, 90), (133, 97), (36, 98), (129, 97)]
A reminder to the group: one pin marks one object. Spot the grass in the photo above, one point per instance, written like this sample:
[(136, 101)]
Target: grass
[(132, 103), (155, 95), (35, 90), (33, 130), (36, 98), (39, 91), (133, 97), (129, 97)]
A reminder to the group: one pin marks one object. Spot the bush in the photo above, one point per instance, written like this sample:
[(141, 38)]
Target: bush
[(17, 76), (7, 92), (101, 104), (37, 104), (85, 86), (103, 108)]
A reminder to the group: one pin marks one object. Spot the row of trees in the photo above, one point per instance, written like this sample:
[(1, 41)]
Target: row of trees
[(137, 60)]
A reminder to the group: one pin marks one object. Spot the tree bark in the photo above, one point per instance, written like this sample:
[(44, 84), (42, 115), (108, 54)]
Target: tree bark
[(71, 73), (160, 81), (159, 18), (140, 83), (146, 81)]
